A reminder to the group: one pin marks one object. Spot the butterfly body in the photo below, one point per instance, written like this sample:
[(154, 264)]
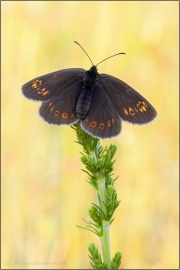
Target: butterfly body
[(87, 93), (99, 101)]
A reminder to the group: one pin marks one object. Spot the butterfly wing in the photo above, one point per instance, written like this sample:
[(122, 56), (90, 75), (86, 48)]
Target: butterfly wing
[(61, 108), (46, 86), (102, 120), (59, 92), (130, 105)]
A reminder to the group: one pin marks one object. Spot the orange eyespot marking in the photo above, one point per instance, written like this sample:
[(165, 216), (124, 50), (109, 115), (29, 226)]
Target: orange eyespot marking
[(64, 115), (45, 93), (40, 91), (50, 104), (131, 111), (109, 123), (141, 105), (56, 113), (52, 108), (86, 120), (93, 124), (101, 125), (72, 116), (125, 111), (36, 83), (145, 105), (113, 121)]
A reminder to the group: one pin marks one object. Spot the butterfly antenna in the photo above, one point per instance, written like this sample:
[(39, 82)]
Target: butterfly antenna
[(110, 57), (84, 51)]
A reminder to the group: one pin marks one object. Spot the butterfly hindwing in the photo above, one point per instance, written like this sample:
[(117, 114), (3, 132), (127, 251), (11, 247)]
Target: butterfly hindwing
[(46, 86), (61, 108), (102, 120), (130, 105)]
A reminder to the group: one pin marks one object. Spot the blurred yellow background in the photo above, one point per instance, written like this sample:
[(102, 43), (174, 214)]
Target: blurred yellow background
[(44, 192)]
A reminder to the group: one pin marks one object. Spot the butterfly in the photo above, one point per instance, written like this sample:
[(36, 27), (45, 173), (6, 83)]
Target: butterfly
[(98, 101)]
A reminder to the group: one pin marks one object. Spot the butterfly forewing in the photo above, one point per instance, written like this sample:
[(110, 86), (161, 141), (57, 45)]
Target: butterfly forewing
[(102, 120), (130, 105), (46, 86)]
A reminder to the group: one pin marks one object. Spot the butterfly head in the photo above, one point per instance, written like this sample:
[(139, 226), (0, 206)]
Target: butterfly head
[(92, 75)]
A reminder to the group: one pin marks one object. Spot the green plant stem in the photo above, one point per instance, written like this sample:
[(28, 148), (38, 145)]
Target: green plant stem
[(102, 194), (99, 163), (105, 239), (105, 243)]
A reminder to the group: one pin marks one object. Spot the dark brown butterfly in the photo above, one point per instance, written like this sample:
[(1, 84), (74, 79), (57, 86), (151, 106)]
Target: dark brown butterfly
[(99, 101)]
